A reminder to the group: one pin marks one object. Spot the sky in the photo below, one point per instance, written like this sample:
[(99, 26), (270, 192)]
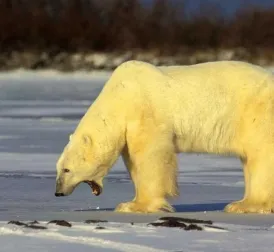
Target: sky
[(230, 6), (227, 6)]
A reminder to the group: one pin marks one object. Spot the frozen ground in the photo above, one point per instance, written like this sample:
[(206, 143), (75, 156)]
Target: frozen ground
[(37, 113)]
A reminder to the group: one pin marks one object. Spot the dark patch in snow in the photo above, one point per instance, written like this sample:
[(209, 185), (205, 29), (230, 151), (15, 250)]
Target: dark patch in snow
[(193, 227), (35, 227), (17, 223), (186, 220), (99, 227), (60, 223), (215, 227), (169, 223), (33, 222), (183, 223), (30, 225), (176, 224)]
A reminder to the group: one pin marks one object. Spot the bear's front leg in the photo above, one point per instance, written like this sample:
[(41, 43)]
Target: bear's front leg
[(154, 174)]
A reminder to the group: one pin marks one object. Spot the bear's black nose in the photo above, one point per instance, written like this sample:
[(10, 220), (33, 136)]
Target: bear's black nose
[(59, 194)]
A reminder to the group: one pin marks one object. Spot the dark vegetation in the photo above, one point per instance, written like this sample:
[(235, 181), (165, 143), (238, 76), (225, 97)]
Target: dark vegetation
[(90, 25), (163, 27)]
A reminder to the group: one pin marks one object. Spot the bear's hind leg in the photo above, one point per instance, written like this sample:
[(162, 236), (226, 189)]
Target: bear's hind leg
[(154, 174), (259, 187)]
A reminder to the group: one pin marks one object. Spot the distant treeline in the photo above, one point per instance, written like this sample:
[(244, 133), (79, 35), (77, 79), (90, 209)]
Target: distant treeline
[(114, 25)]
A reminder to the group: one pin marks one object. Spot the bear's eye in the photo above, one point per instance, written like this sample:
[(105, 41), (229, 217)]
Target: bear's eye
[(66, 170)]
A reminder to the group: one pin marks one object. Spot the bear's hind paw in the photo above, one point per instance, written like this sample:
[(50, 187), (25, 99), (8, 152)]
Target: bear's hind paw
[(243, 206)]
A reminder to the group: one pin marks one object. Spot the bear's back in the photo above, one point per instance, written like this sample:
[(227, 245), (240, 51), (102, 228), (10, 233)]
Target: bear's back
[(217, 84), (219, 73)]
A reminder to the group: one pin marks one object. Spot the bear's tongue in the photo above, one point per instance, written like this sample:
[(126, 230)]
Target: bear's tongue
[(96, 189)]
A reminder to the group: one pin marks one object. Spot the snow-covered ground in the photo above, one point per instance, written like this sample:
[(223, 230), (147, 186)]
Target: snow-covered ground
[(134, 238), (38, 111)]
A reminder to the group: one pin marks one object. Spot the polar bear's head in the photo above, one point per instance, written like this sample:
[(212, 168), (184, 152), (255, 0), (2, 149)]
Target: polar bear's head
[(82, 161)]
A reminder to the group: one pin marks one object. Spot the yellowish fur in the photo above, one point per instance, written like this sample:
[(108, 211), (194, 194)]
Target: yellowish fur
[(148, 114)]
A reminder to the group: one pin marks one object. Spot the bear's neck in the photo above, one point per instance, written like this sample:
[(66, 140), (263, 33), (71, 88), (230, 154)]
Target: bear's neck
[(107, 122), (109, 112)]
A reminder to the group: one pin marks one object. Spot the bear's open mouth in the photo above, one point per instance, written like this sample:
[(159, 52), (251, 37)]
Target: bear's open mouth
[(96, 189)]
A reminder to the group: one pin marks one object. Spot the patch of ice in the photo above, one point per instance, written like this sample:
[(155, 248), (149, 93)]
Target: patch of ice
[(4, 137)]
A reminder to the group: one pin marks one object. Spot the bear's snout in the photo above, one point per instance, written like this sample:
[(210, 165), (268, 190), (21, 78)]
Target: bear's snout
[(58, 191)]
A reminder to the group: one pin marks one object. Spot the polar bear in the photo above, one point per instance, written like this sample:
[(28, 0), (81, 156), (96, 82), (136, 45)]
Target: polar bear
[(147, 114)]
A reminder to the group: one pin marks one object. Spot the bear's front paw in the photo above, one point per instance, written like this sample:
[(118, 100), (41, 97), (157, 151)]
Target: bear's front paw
[(244, 206), (126, 207), (137, 207)]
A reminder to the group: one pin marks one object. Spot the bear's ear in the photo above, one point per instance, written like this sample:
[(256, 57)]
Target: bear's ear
[(87, 139), (70, 137)]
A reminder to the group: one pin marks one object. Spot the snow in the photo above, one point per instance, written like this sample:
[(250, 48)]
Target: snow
[(38, 111), (137, 237)]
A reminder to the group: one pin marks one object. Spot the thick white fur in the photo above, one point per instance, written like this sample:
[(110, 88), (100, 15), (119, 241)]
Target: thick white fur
[(148, 114)]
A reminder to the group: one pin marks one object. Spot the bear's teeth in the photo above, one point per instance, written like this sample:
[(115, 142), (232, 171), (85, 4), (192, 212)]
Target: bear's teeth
[(96, 189)]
